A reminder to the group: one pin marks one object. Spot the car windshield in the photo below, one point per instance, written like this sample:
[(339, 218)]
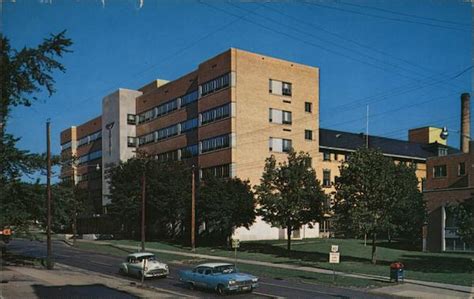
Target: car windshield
[(225, 269), (150, 258)]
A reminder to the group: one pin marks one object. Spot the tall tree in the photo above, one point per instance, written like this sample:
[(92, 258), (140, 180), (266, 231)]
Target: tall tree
[(289, 195), (225, 204), (364, 194), (464, 218)]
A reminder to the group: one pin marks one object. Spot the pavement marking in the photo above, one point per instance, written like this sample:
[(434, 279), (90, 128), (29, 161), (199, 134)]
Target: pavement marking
[(267, 295)]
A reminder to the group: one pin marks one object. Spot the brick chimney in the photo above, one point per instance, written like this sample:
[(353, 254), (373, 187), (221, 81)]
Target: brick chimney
[(465, 122)]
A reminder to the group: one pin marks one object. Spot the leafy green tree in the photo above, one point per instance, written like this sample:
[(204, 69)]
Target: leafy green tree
[(364, 194), (289, 195), (168, 197), (464, 219), (223, 205), (408, 209)]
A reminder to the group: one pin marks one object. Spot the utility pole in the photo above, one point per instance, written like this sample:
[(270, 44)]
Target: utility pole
[(193, 211), (74, 216), (143, 206), (367, 129), (49, 262)]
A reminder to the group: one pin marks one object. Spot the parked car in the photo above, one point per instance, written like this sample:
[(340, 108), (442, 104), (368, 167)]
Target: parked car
[(143, 262), (221, 277)]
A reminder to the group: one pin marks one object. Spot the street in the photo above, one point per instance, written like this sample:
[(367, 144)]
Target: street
[(108, 265)]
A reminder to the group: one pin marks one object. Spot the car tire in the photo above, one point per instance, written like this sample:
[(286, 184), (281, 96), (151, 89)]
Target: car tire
[(220, 289), (191, 286), (121, 271), (139, 275)]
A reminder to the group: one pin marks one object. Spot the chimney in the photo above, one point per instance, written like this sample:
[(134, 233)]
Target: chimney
[(465, 122)]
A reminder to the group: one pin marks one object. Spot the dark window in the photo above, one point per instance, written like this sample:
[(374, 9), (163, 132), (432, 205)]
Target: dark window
[(189, 125), (442, 151), (131, 119), (286, 89), (189, 151), (221, 171), (215, 114), (168, 156), (215, 143), (189, 98), (286, 117), (439, 171), (326, 178), (326, 156), (286, 145), (308, 107), (215, 84), (462, 168), (131, 141), (336, 157), (308, 134)]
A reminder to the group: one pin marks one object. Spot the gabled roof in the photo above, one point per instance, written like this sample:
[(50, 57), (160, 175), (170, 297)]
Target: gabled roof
[(347, 141)]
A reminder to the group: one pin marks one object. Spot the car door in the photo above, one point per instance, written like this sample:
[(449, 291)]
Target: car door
[(135, 266), (208, 278), (199, 277)]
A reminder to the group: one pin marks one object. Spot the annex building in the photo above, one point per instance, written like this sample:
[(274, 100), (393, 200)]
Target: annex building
[(226, 117)]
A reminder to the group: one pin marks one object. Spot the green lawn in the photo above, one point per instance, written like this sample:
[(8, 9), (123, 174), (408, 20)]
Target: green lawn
[(256, 270), (454, 268)]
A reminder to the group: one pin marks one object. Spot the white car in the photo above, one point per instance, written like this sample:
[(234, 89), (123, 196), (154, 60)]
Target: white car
[(146, 263)]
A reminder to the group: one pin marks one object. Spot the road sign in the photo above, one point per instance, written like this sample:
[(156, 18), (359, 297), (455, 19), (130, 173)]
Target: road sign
[(235, 243), (334, 248), (334, 257)]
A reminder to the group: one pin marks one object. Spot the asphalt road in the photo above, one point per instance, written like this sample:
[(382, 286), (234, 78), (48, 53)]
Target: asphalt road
[(107, 264)]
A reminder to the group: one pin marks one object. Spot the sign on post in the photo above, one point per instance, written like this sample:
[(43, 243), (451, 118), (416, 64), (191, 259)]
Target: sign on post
[(235, 243), (334, 248), (334, 257)]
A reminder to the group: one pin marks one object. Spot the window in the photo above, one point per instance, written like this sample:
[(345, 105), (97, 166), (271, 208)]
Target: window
[(168, 156), (336, 157), (442, 151), (308, 134), (221, 171), (215, 114), (95, 136), (215, 84), (146, 139), (189, 125), (439, 171), (83, 159), (95, 155), (280, 116), (279, 87), (286, 89), (189, 98), (131, 141), (83, 141), (131, 119), (189, 151), (308, 107), (167, 132), (326, 178), (326, 156), (66, 145), (166, 107), (215, 143), (462, 168), (279, 145)]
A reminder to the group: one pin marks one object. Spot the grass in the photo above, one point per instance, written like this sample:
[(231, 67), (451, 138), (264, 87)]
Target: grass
[(276, 273), (451, 268)]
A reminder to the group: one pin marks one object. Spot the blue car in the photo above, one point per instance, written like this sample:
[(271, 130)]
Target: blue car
[(221, 277)]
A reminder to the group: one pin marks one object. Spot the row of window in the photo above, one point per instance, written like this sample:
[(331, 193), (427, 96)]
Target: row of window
[(66, 145), (440, 171), (215, 84), (220, 171), (215, 143), (89, 157), (158, 111), (215, 114), (89, 138)]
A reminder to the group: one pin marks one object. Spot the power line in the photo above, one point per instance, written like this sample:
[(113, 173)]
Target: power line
[(385, 18)]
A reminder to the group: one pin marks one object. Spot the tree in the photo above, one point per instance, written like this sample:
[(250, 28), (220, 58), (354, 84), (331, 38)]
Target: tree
[(464, 219), (289, 195), (364, 194), (408, 209), (168, 196), (223, 205)]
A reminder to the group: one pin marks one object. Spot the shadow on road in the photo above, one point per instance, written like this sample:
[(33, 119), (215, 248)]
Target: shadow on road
[(79, 291)]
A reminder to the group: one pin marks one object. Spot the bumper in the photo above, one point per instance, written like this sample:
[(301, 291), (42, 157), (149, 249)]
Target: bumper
[(242, 288), (157, 273)]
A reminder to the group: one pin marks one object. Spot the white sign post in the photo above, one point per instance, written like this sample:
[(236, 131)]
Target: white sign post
[(235, 245), (334, 258)]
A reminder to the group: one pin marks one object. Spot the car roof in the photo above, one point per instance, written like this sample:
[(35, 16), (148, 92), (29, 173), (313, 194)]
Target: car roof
[(140, 254), (213, 265)]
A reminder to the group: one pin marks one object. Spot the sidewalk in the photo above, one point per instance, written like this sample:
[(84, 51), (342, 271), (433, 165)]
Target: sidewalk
[(414, 287), (67, 282)]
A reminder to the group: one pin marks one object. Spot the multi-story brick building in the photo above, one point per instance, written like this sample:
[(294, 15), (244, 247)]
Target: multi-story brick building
[(226, 117), (449, 181)]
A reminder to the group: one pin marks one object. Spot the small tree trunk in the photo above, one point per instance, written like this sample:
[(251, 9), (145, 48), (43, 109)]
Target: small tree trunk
[(389, 236), (288, 235), (374, 248)]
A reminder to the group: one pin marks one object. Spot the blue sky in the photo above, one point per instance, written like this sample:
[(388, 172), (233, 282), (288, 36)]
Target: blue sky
[(409, 59)]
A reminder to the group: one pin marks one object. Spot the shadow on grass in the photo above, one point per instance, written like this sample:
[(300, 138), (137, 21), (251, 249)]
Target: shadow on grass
[(80, 291), (437, 264), (399, 245)]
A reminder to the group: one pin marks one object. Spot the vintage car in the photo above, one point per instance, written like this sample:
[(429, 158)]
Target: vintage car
[(221, 277), (146, 263)]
